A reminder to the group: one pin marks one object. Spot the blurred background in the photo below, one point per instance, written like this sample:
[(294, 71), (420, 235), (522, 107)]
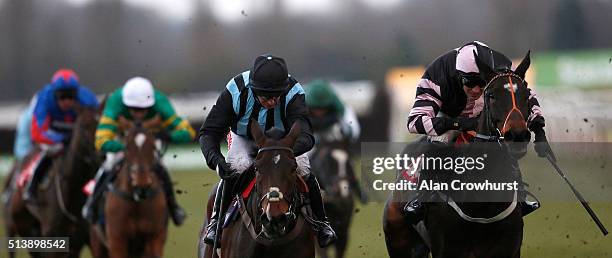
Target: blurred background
[(373, 51)]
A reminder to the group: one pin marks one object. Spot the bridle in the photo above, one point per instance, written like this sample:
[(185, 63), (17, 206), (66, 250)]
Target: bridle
[(275, 195), (497, 135)]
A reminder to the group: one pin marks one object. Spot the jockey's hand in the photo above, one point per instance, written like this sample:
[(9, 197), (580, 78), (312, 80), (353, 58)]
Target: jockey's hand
[(225, 171), (112, 146), (180, 136), (541, 144), (53, 149), (465, 124)]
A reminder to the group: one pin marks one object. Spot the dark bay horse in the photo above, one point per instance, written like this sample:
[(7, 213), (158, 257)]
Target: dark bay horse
[(135, 210), (55, 212), (472, 226), (330, 162), (271, 222)]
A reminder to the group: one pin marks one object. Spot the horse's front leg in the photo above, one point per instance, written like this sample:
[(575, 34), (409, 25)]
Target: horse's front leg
[(401, 238), (118, 247), (154, 246)]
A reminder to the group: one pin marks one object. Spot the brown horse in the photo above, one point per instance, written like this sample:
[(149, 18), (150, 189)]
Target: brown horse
[(135, 211), (473, 226), (55, 212), (271, 221)]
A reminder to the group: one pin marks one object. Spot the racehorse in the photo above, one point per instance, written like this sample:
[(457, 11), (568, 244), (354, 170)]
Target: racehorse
[(472, 226), (55, 212), (134, 209), (271, 218), (330, 162)]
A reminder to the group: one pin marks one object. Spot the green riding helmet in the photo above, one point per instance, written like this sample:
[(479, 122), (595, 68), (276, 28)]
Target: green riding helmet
[(319, 94)]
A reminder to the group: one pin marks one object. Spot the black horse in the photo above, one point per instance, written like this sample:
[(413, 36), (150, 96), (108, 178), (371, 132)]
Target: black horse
[(331, 164), (471, 223)]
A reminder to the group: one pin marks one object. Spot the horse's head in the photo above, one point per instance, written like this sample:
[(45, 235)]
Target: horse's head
[(506, 109), (140, 160), (276, 177)]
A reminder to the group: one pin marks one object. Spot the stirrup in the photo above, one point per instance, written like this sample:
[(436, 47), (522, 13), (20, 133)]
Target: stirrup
[(211, 234), (413, 211), (529, 206)]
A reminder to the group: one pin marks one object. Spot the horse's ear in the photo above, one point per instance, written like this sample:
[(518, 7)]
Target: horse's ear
[(521, 69), (486, 72), (293, 134), (257, 133)]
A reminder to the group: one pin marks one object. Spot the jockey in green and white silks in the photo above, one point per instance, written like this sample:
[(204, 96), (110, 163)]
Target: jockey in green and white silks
[(333, 122), (269, 95), (137, 100)]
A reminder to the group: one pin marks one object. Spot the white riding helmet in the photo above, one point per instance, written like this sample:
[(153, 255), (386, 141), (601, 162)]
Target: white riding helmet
[(138, 93)]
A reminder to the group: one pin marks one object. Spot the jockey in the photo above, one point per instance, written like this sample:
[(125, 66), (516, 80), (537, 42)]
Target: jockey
[(332, 121), (451, 85), (270, 95), (53, 117), (137, 100)]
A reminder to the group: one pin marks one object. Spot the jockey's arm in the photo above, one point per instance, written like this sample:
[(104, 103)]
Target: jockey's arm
[(428, 101), (215, 128), (41, 123), (297, 112), (535, 120), (108, 126), (179, 129)]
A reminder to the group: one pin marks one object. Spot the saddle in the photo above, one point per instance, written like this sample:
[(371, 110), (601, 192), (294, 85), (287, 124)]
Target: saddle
[(35, 161)]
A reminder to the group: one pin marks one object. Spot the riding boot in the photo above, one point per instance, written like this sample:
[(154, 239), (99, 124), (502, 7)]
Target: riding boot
[(413, 210), (211, 228), (177, 212), (30, 191), (320, 224), (354, 183), (526, 205), (89, 211)]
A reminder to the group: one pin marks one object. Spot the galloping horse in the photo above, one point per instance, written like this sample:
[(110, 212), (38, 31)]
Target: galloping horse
[(271, 221), (55, 212), (135, 211), (330, 162), (478, 224)]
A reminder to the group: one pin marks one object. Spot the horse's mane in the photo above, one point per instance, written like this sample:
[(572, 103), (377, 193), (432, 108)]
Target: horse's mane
[(275, 133)]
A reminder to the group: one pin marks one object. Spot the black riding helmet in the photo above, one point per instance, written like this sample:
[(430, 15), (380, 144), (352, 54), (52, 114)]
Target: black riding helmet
[(269, 76), (494, 59)]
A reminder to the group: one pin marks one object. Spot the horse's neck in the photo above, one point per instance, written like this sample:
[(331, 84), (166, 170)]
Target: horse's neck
[(483, 125), (75, 165)]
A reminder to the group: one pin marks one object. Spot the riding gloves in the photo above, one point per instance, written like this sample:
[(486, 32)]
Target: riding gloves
[(112, 146), (541, 144), (180, 136), (464, 124), (225, 170)]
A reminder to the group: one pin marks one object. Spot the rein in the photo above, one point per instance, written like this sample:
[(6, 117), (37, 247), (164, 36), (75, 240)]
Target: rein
[(272, 148)]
